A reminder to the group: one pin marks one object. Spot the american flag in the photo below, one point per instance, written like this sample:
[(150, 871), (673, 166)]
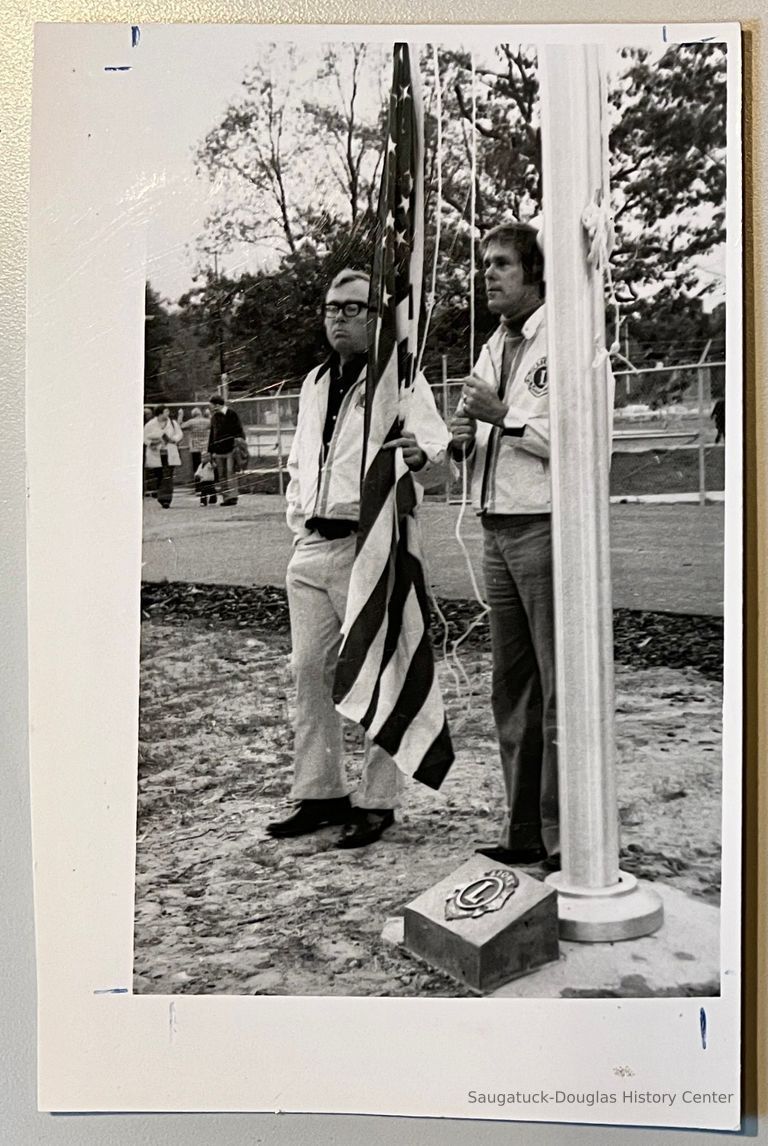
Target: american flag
[(385, 678)]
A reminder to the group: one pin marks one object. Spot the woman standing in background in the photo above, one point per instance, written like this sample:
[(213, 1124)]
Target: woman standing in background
[(162, 435)]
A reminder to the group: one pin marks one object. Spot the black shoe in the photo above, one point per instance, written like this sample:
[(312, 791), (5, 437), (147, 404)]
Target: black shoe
[(513, 856), (366, 828), (229, 501), (310, 816), (212, 499), (203, 500), (552, 863)]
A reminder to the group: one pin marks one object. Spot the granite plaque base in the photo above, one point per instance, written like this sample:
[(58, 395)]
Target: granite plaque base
[(484, 924)]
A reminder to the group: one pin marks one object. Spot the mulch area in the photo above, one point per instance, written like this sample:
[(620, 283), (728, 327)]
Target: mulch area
[(642, 639)]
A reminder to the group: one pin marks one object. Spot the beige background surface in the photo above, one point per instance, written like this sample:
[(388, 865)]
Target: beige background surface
[(18, 1118)]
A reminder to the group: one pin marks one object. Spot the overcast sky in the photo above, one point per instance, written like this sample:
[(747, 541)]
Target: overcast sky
[(194, 73)]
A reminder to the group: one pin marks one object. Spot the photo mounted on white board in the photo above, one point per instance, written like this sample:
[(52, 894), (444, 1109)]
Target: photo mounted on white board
[(440, 542)]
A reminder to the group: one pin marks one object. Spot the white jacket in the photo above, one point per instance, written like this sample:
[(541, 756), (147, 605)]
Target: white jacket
[(332, 490), (510, 472), (153, 440)]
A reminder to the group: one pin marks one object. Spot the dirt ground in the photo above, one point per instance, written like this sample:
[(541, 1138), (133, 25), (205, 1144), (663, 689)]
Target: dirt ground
[(222, 908)]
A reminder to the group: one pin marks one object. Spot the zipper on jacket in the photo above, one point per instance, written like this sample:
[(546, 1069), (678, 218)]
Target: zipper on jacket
[(324, 462), (497, 432)]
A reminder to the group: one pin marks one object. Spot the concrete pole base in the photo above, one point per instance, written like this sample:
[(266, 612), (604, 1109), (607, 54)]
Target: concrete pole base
[(626, 910)]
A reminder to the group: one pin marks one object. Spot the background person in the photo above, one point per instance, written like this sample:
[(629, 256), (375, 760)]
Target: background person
[(162, 435), (197, 428), (205, 476), (225, 427)]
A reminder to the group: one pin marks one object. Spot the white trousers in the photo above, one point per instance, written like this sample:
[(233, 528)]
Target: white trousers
[(317, 582)]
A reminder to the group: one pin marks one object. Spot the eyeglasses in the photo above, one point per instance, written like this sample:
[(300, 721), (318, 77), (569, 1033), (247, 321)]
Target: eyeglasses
[(348, 309)]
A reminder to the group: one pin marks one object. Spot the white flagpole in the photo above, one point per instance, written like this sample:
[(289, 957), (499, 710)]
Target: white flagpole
[(596, 901), (417, 254)]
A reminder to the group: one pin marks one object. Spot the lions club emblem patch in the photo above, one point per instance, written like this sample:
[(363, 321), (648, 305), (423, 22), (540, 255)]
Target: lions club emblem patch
[(488, 893), (536, 379)]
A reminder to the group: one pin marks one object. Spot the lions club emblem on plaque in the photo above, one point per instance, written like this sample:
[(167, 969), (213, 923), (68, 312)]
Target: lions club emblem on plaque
[(536, 379), (488, 892)]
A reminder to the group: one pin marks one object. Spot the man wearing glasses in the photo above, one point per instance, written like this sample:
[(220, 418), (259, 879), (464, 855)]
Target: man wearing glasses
[(323, 505)]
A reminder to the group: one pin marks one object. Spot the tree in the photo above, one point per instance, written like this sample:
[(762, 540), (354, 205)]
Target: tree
[(157, 338), (352, 140), (206, 312), (298, 156), (249, 153), (508, 183), (272, 324), (668, 173), (508, 139), (190, 370), (294, 151)]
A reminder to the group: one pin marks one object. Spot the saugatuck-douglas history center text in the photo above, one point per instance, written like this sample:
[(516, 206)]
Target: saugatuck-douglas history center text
[(597, 1097)]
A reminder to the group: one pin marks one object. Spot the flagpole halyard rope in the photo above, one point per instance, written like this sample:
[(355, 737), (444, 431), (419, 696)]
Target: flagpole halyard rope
[(452, 663), (440, 614), (451, 657), (472, 273), (431, 296), (484, 607)]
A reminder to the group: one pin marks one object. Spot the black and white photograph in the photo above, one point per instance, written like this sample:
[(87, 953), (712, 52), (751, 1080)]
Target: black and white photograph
[(395, 716), (360, 769)]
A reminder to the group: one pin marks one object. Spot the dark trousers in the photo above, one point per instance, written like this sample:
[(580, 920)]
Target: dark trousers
[(226, 477), (160, 482), (518, 579), (196, 457)]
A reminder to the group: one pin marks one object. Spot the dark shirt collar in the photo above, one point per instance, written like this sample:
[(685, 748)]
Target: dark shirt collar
[(353, 368), (349, 372)]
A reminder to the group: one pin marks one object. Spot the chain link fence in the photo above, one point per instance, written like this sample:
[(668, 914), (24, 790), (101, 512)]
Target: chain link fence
[(667, 438)]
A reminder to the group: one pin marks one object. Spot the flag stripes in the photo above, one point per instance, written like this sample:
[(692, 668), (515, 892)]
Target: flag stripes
[(385, 677)]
